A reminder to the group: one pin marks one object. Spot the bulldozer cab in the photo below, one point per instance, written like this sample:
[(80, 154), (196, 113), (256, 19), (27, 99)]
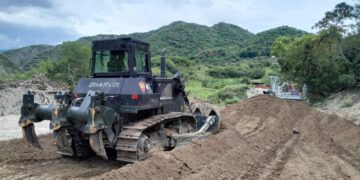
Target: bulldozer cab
[(122, 57)]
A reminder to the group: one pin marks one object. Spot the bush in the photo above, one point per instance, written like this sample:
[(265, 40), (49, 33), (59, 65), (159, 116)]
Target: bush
[(231, 101), (212, 83), (206, 83), (347, 104), (248, 54), (245, 80), (229, 94), (256, 73), (346, 81), (224, 72)]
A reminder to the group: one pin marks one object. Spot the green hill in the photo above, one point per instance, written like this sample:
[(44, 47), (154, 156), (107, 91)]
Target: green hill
[(27, 57), (221, 42), (185, 39), (263, 41), (6, 66), (218, 44)]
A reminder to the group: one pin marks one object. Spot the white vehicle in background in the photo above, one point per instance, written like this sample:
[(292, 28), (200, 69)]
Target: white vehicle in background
[(286, 90)]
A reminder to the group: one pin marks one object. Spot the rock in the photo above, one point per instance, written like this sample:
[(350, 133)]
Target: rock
[(295, 131)]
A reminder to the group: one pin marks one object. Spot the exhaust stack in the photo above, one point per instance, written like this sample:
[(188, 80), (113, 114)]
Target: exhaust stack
[(163, 63)]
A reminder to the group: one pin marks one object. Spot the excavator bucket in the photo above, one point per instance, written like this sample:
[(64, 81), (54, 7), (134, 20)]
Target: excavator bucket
[(97, 144), (30, 135)]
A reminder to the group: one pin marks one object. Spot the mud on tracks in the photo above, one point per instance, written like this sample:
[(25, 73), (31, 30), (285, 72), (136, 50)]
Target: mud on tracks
[(255, 142)]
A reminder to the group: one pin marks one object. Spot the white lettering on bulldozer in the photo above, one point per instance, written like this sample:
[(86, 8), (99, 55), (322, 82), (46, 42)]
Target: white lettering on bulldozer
[(104, 84)]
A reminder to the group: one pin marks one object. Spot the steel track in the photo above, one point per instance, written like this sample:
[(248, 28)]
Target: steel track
[(128, 139)]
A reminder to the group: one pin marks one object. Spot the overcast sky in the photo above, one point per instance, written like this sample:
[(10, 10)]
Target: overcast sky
[(26, 22)]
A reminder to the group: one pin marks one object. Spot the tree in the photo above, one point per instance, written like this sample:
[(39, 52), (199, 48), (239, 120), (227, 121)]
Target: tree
[(342, 17), (72, 64), (351, 51), (327, 61), (357, 15), (281, 45), (315, 60)]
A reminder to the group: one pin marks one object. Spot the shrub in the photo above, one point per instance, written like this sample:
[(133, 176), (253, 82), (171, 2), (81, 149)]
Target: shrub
[(229, 94), (245, 80), (346, 81), (256, 73), (347, 104)]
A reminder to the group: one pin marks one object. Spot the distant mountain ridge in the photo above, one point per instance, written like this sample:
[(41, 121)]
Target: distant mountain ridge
[(218, 43), (7, 66), (183, 39), (28, 56)]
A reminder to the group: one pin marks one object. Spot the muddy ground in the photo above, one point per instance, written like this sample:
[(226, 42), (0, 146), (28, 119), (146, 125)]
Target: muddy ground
[(256, 142)]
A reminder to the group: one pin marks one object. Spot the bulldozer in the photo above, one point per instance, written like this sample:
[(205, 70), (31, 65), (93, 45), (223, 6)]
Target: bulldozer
[(120, 108)]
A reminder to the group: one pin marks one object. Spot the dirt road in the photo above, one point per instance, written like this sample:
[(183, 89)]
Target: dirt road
[(256, 142)]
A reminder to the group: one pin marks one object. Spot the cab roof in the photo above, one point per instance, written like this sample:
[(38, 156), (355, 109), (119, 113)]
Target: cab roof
[(114, 44)]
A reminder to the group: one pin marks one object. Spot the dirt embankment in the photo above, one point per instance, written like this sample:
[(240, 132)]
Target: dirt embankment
[(256, 142), (345, 104), (11, 93)]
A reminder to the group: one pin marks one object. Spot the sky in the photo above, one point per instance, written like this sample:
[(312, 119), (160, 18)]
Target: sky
[(28, 22)]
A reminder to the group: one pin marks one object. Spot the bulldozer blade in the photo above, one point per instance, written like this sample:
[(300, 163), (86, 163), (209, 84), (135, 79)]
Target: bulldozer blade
[(30, 135), (97, 144), (63, 143)]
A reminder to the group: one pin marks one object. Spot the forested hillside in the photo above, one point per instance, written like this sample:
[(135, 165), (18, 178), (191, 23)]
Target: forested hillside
[(27, 57), (215, 44), (220, 42), (6, 66)]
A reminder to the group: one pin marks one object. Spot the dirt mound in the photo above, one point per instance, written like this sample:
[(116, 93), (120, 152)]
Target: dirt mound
[(256, 142)]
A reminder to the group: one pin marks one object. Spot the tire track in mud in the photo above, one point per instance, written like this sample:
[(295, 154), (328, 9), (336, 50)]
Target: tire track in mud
[(310, 162), (277, 156), (18, 160), (259, 127), (252, 168), (56, 168), (318, 155), (276, 166), (339, 150), (283, 148)]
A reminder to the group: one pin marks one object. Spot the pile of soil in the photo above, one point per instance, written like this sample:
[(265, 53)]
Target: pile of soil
[(261, 138), (257, 141)]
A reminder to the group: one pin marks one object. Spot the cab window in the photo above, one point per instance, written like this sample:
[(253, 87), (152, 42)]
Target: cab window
[(140, 59), (111, 61)]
